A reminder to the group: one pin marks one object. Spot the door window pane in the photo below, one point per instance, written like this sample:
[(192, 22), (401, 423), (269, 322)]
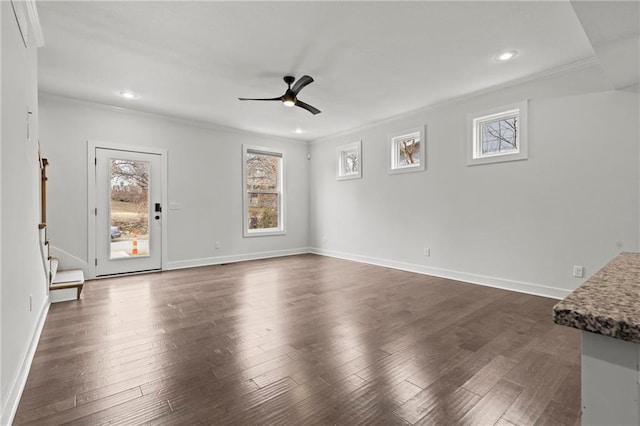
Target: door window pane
[(129, 208)]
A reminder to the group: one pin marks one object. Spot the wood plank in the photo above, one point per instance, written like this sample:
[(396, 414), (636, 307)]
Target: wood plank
[(534, 399), (75, 413), (451, 409), (493, 405), (489, 375)]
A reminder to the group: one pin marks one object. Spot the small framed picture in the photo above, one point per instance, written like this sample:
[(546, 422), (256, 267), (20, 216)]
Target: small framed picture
[(407, 151), (349, 161)]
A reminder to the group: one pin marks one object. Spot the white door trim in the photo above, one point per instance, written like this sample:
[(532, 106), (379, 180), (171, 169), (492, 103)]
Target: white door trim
[(92, 145)]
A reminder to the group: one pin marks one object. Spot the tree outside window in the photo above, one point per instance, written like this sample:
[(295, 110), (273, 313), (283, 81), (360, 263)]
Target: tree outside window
[(499, 136)]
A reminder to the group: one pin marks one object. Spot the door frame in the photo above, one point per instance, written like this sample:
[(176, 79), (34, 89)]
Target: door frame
[(92, 145)]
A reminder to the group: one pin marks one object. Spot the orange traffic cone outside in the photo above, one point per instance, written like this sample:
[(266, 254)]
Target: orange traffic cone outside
[(134, 250)]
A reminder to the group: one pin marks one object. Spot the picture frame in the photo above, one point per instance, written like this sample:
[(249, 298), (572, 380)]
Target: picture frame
[(407, 150), (349, 161)]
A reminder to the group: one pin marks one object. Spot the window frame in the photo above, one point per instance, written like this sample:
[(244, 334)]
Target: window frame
[(474, 139), (280, 191)]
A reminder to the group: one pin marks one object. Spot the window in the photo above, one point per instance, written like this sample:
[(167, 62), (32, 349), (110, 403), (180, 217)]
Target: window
[(498, 135), (407, 151), (350, 161), (263, 191)]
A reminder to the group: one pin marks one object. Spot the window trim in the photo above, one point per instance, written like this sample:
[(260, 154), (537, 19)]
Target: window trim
[(281, 230), (474, 122)]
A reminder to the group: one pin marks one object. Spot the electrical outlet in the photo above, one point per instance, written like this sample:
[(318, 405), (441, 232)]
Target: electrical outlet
[(324, 239), (578, 271), (427, 252), (218, 244)]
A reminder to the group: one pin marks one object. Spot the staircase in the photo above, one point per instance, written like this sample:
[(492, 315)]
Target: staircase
[(64, 285)]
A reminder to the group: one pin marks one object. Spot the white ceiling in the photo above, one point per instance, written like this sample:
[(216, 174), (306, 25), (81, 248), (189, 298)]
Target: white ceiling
[(370, 60)]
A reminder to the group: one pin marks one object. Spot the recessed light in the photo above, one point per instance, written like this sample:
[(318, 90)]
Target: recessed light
[(299, 131), (506, 55), (128, 95)]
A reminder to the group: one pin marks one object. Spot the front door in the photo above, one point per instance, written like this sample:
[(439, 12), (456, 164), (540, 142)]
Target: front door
[(128, 211)]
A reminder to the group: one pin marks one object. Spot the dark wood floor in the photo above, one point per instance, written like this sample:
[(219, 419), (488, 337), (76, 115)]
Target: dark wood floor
[(302, 340)]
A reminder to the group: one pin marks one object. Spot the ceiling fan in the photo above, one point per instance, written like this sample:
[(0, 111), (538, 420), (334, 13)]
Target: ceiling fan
[(290, 97)]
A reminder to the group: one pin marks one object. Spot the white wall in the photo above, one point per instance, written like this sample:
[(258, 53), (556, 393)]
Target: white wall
[(2, 398), (519, 225), (22, 273), (204, 176)]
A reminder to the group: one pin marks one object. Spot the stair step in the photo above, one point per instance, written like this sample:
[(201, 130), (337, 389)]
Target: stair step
[(69, 278)]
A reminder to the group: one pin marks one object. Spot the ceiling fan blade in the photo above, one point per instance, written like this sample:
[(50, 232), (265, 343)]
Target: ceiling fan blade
[(312, 110), (254, 99), (301, 83)]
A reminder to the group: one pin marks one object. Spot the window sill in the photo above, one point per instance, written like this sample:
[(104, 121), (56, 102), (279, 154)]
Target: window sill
[(263, 232), (490, 159)]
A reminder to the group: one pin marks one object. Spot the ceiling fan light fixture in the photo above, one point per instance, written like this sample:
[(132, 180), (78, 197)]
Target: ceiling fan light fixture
[(288, 101)]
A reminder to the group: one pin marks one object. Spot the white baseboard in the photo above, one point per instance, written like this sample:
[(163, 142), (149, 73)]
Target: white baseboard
[(207, 261), (15, 391), (519, 286)]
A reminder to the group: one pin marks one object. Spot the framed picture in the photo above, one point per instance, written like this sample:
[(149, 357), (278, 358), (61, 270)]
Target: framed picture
[(349, 161), (407, 151)]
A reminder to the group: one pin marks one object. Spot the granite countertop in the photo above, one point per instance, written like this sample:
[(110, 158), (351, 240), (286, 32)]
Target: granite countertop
[(608, 303)]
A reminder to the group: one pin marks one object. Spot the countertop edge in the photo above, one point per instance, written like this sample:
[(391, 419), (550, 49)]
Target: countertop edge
[(605, 326)]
